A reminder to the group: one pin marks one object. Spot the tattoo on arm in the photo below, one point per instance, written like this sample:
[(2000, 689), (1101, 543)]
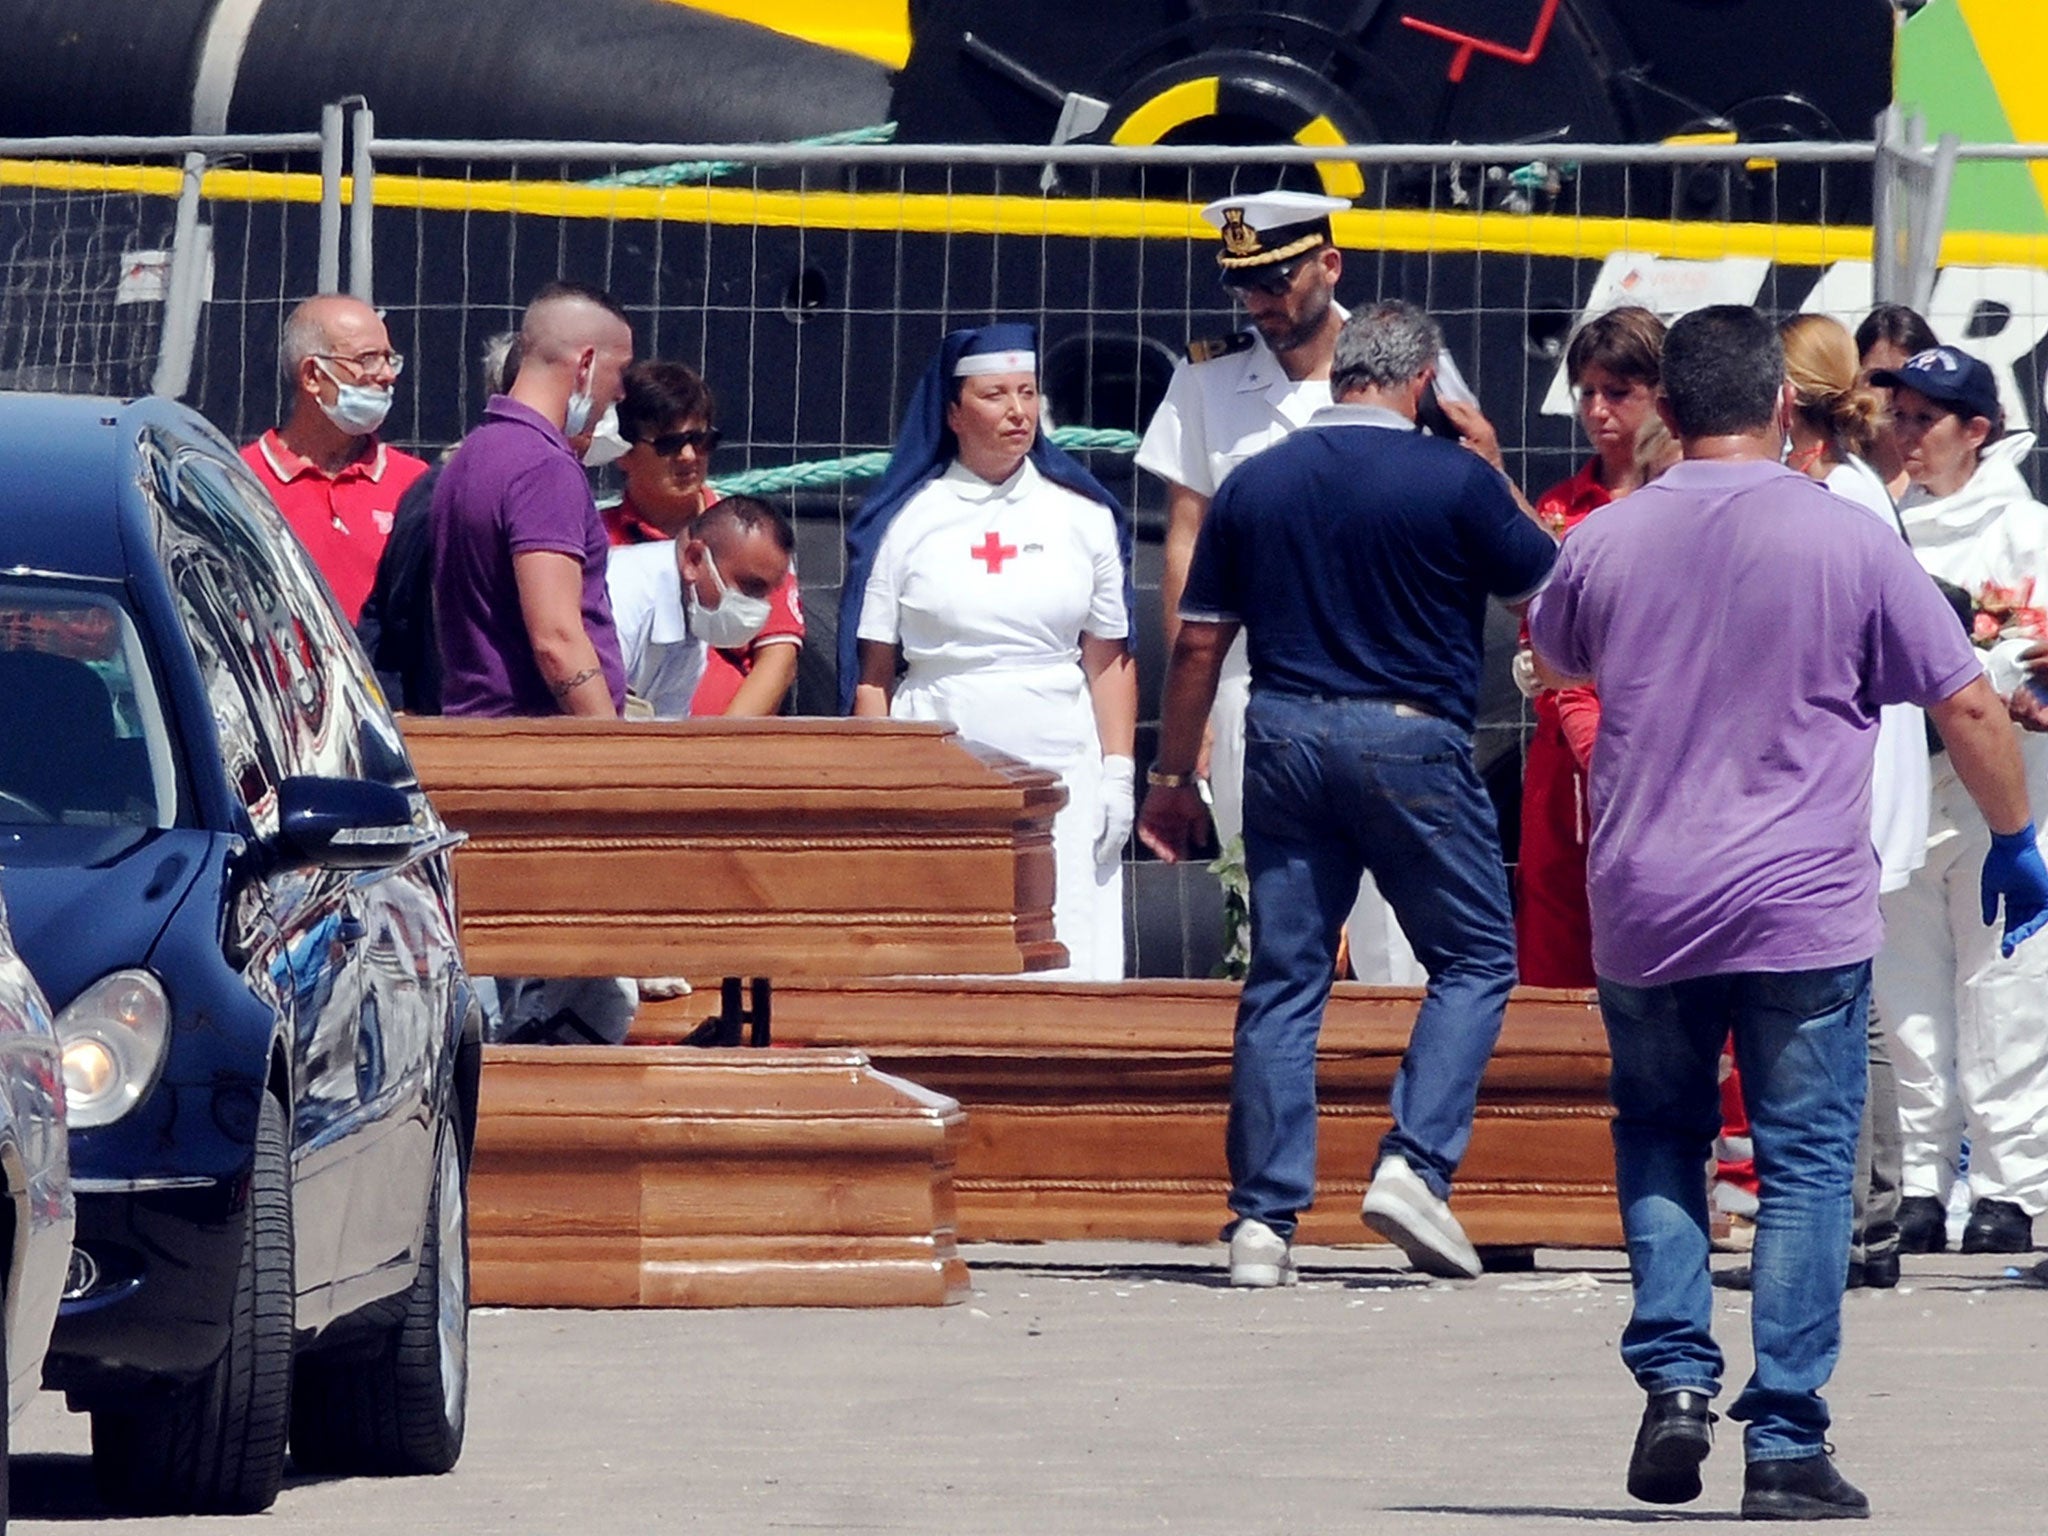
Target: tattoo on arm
[(569, 685)]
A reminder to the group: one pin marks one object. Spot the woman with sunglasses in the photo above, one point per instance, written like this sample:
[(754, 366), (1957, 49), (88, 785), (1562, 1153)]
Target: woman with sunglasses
[(666, 419), (995, 567)]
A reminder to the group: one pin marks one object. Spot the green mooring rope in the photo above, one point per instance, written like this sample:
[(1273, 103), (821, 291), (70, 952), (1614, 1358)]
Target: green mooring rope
[(823, 474), (678, 172)]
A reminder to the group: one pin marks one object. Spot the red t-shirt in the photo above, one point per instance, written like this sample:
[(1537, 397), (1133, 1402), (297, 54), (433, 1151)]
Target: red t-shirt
[(343, 519), (1561, 509)]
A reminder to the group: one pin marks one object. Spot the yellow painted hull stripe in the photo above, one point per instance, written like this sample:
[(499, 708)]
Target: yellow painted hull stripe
[(1030, 216), (1171, 108), (1341, 178)]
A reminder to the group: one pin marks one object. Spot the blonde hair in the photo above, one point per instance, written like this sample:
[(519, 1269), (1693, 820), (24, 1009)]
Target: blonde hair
[(1656, 449), (1823, 365)]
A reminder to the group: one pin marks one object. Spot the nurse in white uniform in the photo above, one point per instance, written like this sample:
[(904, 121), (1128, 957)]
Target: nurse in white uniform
[(999, 580), (1232, 397)]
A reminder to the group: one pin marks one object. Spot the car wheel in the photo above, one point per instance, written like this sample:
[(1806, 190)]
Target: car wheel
[(6, 1414), (216, 1445), (400, 1410)]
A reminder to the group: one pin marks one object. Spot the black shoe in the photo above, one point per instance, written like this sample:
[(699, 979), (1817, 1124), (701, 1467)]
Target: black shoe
[(1923, 1225), (1998, 1226), (1676, 1433), (1739, 1277), (1880, 1271), (1807, 1488), (1856, 1276)]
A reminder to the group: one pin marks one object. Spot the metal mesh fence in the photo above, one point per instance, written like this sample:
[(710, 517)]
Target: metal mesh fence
[(810, 287), (102, 246)]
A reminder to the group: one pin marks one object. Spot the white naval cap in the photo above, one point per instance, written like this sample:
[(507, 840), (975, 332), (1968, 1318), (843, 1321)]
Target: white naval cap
[(1263, 227)]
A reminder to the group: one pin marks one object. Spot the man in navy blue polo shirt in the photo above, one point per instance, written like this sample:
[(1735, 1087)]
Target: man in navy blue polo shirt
[(1358, 556)]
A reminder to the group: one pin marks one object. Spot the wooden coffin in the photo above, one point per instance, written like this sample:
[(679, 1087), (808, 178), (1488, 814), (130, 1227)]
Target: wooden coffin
[(679, 1177), (1097, 1111), (711, 848)]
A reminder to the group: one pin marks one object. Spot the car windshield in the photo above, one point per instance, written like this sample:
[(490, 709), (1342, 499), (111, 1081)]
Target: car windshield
[(82, 735)]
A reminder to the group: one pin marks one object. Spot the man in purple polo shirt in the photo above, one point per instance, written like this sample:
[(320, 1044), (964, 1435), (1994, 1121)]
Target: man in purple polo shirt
[(1743, 625), (520, 605), (519, 549)]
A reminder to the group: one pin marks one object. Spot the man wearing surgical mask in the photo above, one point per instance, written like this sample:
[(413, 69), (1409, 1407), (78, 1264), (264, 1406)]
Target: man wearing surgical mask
[(668, 424), (524, 623), (336, 483), (678, 601)]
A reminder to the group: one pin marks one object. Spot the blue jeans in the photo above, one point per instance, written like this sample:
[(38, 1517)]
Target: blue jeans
[(1799, 1041), (1333, 787)]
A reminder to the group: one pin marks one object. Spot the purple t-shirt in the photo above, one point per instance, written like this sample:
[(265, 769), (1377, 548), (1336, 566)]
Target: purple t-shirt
[(513, 486), (1742, 624)]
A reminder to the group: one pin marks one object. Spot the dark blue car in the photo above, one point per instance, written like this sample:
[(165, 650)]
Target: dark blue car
[(221, 870)]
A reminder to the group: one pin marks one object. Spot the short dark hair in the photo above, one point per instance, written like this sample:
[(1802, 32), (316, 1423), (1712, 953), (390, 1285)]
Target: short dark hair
[(562, 288), (1723, 369), (659, 392), (1904, 328), (1628, 342), (745, 516)]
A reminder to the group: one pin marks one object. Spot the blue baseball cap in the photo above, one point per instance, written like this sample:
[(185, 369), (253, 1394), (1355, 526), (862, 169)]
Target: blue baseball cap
[(1948, 376)]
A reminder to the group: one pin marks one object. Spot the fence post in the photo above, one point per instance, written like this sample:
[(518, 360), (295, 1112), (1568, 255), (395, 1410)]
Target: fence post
[(362, 206), (191, 261), (331, 124), (1909, 210), (1933, 222)]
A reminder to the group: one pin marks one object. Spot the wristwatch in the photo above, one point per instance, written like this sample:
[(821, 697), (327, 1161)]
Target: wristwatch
[(1160, 780)]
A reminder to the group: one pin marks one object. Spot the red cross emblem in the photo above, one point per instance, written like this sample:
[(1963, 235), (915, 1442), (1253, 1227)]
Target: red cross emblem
[(995, 552)]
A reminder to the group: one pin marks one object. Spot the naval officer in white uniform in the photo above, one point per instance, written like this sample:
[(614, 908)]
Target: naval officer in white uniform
[(999, 580), (1233, 396)]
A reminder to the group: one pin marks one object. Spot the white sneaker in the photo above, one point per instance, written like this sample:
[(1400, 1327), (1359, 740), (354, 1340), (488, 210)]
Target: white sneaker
[(1405, 1211), (1259, 1256)]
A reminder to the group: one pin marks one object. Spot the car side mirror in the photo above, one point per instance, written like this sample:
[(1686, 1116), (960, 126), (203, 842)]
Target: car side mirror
[(344, 823)]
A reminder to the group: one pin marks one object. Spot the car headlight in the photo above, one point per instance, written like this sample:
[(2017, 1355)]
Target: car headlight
[(112, 1037)]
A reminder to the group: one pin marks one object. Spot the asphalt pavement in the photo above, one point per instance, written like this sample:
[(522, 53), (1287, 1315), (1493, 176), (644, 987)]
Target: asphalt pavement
[(1125, 1388)]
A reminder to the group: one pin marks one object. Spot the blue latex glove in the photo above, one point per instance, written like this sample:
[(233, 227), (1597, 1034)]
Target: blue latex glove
[(2013, 869)]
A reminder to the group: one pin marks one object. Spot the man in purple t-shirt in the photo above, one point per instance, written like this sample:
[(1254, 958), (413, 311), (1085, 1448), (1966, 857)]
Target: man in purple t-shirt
[(1743, 625), (520, 606), (524, 622)]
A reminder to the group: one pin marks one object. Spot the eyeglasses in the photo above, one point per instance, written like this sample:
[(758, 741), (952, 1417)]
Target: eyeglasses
[(669, 444), (369, 362), (1274, 281)]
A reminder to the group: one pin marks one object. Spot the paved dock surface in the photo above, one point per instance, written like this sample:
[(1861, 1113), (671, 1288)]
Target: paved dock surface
[(1124, 1388)]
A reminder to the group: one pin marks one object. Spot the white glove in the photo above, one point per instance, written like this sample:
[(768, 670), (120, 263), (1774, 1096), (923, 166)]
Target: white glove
[(1119, 808), (1524, 672)]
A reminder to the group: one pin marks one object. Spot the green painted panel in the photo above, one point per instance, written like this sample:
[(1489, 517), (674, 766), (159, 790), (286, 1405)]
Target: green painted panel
[(1941, 77)]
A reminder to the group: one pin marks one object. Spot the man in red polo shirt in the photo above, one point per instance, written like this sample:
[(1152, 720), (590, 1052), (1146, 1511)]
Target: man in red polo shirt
[(336, 484)]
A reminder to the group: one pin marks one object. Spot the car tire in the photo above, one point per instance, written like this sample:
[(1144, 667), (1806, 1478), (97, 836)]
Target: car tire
[(6, 1415), (399, 1408), (217, 1445)]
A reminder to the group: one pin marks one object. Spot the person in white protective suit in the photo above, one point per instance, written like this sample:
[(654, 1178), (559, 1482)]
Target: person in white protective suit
[(995, 566), (1969, 1024)]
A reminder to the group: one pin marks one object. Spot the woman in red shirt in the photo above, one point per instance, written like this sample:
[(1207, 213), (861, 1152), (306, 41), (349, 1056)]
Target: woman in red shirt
[(1613, 365), (666, 418)]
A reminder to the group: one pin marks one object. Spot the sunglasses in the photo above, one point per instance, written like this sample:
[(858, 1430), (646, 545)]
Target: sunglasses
[(669, 444), (1274, 281)]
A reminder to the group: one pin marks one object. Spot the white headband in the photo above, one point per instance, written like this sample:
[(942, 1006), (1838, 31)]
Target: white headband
[(995, 362)]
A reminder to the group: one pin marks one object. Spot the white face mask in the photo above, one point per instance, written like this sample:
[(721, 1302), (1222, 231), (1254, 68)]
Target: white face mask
[(606, 446), (358, 409), (578, 415), (736, 619)]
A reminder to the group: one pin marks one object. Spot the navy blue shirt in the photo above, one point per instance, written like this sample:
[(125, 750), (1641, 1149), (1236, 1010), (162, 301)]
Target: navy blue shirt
[(1359, 554)]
